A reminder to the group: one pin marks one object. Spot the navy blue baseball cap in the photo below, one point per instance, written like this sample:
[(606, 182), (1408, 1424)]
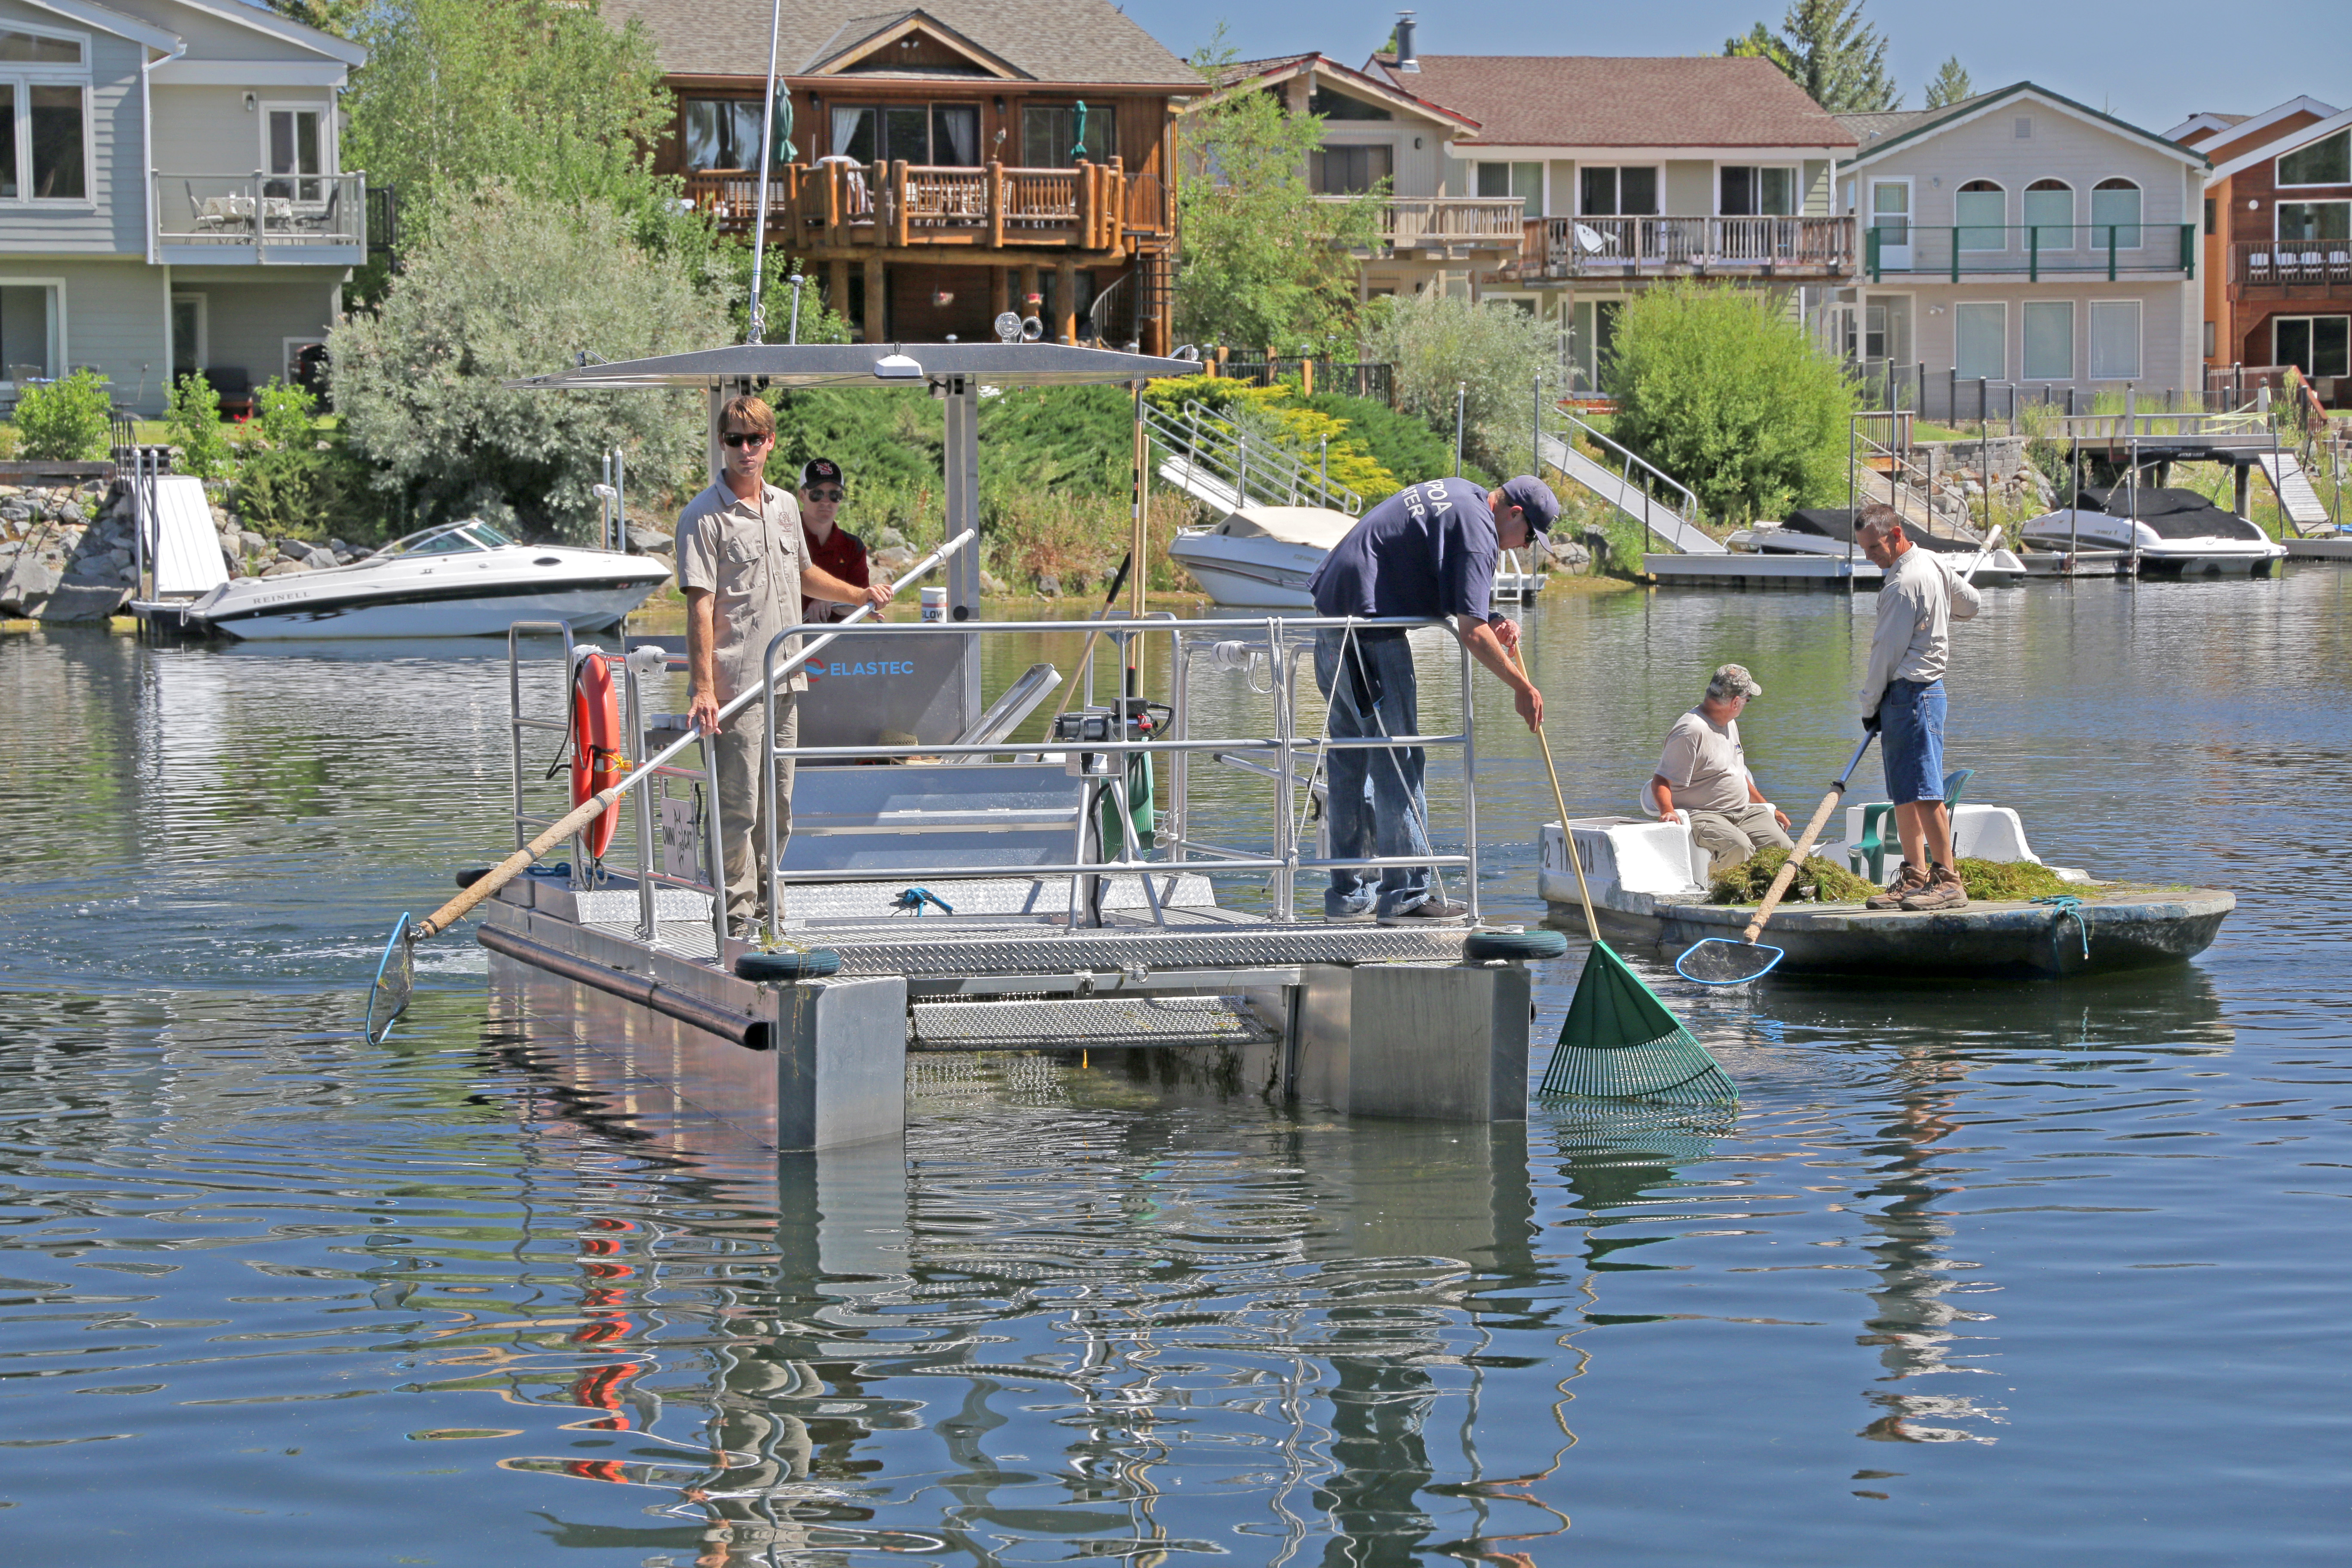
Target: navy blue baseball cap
[(820, 471), (1534, 500)]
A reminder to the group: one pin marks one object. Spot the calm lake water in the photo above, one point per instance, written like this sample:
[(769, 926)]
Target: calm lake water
[(1972, 1275)]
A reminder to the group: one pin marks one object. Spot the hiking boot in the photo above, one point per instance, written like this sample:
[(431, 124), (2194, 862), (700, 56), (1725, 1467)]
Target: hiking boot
[(1942, 891), (1431, 909), (1907, 881)]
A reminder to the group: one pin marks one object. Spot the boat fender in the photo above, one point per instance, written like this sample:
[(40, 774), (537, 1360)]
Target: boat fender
[(815, 964), (1483, 946), (597, 761)]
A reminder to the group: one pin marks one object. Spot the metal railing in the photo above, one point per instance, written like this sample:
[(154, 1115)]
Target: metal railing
[(1259, 471), (1273, 638), (1635, 472), (257, 211), (2031, 250), (1665, 246)]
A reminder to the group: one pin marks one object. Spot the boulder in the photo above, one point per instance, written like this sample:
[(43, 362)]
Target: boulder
[(889, 539), (71, 511), (293, 549), (895, 560), (1049, 587), (26, 583), (990, 582), (1567, 555), (84, 602), (283, 569), (251, 543), (339, 547), (319, 560), (644, 540)]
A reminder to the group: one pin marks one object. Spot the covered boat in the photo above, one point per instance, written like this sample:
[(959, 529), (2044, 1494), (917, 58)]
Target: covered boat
[(1649, 886), (1829, 530), (1262, 557), (461, 579), (2175, 531)]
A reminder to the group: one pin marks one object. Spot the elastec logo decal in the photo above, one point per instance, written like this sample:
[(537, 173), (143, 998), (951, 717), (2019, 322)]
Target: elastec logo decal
[(841, 668)]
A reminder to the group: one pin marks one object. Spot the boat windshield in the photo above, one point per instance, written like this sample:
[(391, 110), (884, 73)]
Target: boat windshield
[(449, 538)]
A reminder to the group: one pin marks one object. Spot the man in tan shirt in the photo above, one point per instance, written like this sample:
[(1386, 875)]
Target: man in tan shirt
[(743, 565), (1704, 771)]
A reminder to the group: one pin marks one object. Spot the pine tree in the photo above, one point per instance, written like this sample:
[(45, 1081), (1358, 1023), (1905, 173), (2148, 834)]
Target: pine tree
[(1826, 48), (1950, 85)]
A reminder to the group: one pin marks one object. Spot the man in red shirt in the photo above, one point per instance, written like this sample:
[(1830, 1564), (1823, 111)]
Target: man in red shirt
[(835, 549)]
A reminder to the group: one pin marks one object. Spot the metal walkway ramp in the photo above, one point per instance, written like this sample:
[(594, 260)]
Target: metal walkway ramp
[(1224, 466), (2293, 487), (1629, 488)]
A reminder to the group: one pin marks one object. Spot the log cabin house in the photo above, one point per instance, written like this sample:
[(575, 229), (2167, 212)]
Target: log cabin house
[(946, 162)]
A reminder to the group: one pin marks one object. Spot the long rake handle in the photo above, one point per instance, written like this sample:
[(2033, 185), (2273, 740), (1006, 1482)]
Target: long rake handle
[(595, 806), (1567, 837), (1086, 654), (1805, 845)]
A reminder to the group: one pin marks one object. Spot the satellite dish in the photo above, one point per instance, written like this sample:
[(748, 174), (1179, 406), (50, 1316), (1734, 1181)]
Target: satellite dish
[(1589, 241), (1008, 326)]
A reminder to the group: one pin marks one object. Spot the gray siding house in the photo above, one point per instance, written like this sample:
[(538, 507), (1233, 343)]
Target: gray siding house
[(170, 197)]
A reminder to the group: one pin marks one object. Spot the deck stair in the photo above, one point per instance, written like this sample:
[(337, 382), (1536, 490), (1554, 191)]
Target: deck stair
[(1650, 498), (1226, 467), (2296, 496)]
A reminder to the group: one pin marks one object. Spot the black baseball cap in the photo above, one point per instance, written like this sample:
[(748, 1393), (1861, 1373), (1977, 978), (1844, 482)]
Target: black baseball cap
[(820, 471)]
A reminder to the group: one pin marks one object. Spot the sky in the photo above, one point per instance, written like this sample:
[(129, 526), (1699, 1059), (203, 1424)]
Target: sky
[(2151, 62)]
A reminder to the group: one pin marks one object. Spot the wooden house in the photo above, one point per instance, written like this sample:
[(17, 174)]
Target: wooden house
[(938, 165)]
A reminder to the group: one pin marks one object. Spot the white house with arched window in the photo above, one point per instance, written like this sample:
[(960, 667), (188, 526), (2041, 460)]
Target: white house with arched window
[(2021, 239)]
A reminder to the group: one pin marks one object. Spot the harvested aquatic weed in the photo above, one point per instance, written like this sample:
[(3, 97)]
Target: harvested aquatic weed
[(1994, 881), (1746, 881)]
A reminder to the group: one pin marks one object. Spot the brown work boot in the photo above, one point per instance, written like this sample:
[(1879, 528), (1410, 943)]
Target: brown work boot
[(1907, 881), (1942, 891)]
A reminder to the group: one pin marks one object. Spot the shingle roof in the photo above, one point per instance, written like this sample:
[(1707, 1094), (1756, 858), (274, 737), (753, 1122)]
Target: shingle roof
[(1076, 41), (1869, 128), (1590, 100)]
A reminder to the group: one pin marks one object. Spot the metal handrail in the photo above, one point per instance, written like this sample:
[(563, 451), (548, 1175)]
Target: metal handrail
[(1274, 634), (1686, 512), (1260, 472)]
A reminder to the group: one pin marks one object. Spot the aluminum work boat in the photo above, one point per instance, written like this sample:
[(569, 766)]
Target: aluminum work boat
[(2176, 533), (458, 580)]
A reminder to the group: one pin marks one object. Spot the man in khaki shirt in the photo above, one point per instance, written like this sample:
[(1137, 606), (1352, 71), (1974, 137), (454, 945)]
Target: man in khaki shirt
[(1704, 771), (742, 564)]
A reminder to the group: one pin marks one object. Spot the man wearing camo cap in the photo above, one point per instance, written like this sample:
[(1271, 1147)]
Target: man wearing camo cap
[(1705, 771)]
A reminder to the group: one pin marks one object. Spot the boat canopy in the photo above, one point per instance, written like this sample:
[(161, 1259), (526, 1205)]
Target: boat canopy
[(2172, 513), (1837, 523), (1316, 527), (868, 364)]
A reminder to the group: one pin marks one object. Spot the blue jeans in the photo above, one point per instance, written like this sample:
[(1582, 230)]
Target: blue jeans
[(1376, 803), (1911, 740)]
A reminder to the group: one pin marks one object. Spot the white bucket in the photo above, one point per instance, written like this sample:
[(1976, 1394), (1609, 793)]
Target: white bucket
[(935, 603)]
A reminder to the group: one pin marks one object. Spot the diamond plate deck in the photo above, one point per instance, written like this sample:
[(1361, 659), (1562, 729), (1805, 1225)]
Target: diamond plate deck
[(1096, 1022), (1048, 950)]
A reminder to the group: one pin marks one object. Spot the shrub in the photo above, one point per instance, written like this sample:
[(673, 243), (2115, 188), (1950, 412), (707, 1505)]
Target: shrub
[(507, 285), (70, 420), (287, 415), (1437, 342), (192, 419), (1723, 391), (311, 493)]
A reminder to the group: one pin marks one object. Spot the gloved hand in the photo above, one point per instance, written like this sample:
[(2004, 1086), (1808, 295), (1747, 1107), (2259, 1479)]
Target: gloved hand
[(1870, 723)]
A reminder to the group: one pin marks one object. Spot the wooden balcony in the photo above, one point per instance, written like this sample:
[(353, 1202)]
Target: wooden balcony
[(1452, 223), (836, 209), (2291, 268), (1663, 247)]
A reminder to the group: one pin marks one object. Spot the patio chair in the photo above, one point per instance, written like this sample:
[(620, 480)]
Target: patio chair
[(233, 387), (2258, 266), (324, 220)]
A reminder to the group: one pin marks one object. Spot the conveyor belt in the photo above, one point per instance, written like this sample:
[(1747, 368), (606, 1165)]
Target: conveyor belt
[(1051, 951), (1102, 1023)]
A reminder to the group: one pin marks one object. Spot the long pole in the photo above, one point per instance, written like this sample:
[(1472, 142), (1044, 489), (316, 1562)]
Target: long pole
[(767, 150), (793, 333), (1461, 393)]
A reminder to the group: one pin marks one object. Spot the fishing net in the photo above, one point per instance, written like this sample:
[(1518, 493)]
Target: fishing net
[(396, 978), (1718, 961), (1620, 1041)]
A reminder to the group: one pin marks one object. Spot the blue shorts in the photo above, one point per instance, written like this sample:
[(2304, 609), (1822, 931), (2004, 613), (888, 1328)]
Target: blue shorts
[(1911, 740)]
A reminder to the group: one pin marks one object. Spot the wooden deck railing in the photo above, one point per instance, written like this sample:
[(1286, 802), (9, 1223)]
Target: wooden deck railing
[(1417, 223), (837, 204), (1669, 247), (2319, 264)]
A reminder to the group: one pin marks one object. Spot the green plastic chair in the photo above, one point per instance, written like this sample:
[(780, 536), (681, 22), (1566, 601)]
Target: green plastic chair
[(1868, 855)]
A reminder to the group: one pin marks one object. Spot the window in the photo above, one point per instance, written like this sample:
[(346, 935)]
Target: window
[(2210, 338), (1349, 171), (721, 132), (188, 343), (1063, 135), (2316, 345), (2314, 220), (1631, 191), (294, 152), (2115, 204), (2049, 339), (2208, 214), (1979, 342), (924, 133), (1890, 211), (44, 149), (2050, 215), (2326, 162), (1592, 341), (1522, 180), (1759, 193), (2114, 340), (1980, 210), (28, 331), (1339, 106)]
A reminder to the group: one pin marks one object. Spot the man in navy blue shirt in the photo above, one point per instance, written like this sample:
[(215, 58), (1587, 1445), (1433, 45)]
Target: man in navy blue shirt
[(1428, 551)]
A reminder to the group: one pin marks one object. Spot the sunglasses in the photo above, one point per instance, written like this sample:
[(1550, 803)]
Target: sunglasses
[(827, 495), (745, 439)]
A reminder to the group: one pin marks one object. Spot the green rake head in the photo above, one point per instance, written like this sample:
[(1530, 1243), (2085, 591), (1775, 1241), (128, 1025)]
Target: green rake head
[(1620, 1041)]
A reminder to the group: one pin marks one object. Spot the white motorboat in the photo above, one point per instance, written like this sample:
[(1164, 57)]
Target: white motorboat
[(2176, 532), (1829, 530), (458, 580), (1262, 557)]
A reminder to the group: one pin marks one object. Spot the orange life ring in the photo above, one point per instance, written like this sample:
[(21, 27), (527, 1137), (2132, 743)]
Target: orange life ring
[(597, 761)]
